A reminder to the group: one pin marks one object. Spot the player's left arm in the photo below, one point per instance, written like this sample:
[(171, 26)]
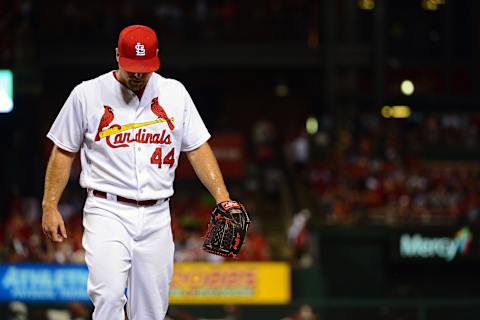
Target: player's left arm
[(206, 168), (229, 220)]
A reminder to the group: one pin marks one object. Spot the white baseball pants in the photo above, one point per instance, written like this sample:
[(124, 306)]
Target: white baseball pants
[(128, 246)]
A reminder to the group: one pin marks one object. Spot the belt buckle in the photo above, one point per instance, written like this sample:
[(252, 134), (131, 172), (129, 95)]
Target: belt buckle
[(144, 203)]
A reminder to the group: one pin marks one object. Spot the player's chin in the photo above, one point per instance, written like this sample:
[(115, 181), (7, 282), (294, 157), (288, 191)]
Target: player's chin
[(136, 85)]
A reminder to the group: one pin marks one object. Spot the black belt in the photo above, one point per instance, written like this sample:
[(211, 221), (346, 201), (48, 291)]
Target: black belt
[(140, 203)]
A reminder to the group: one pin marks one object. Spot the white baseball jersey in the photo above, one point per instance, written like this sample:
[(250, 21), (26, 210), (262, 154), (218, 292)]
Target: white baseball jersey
[(129, 147)]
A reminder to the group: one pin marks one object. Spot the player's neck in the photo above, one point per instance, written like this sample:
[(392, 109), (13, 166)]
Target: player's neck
[(118, 76)]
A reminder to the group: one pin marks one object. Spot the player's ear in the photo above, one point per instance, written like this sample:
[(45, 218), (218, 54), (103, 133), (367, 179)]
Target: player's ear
[(117, 55)]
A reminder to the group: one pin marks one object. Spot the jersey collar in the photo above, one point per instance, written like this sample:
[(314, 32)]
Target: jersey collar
[(138, 93)]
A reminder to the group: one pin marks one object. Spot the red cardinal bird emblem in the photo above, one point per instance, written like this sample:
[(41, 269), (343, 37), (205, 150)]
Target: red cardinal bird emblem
[(160, 113), (107, 118)]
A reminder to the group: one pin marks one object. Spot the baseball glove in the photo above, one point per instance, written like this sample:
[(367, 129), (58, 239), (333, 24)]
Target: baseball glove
[(227, 229)]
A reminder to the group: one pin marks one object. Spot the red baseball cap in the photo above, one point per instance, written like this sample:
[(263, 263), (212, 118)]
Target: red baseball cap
[(137, 48)]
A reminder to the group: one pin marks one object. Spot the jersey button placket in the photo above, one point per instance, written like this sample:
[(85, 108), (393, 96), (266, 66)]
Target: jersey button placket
[(139, 156), (140, 180), (137, 159), (140, 149), (136, 146)]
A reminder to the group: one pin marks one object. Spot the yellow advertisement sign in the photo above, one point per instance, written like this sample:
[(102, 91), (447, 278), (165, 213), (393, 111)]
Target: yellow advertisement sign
[(232, 282)]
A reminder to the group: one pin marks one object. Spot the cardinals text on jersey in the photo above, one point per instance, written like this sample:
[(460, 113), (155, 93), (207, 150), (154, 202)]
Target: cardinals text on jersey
[(129, 146)]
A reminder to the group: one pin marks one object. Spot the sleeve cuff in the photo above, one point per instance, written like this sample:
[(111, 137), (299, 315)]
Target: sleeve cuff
[(61, 145), (196, 144)]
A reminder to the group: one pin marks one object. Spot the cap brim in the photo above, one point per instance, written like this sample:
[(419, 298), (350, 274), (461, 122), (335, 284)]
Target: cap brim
[(140, 66)]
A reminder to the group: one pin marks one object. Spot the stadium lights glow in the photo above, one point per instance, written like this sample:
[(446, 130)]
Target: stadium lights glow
[(407, 87), (432, 5), (366, 4), (311, 125), (6, 91), (281, 90), (397, 112)]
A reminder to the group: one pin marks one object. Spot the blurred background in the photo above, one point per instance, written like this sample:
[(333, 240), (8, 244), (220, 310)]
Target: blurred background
[(350, 129)]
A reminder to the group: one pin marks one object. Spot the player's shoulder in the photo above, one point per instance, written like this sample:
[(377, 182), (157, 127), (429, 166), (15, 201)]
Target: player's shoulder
[(164, 82), (87, 86), (104, 79)]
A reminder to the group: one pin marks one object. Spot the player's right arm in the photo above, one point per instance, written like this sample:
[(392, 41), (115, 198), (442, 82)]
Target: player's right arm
[(56, 178)]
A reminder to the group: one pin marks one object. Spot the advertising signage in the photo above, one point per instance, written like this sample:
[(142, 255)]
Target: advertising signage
[(193, 283), (6, 90), (440, 244), (238, 283), (43, 283)]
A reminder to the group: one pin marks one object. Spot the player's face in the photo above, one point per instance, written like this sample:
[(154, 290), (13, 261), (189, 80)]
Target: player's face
[(134, 80)]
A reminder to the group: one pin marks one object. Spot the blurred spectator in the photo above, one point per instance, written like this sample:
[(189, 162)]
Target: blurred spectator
[(304, 312), (299, 150), (299, 238), (17, 311), (256, 247)]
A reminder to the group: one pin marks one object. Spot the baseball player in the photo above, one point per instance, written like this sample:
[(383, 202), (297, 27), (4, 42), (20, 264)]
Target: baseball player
[(130, 126)]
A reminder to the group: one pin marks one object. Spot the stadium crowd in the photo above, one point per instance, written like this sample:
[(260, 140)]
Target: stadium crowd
[(357, 169), (367, 170), (399, 171), (22, 239)]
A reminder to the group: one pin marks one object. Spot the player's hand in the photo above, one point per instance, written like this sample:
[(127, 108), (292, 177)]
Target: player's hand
[(53, 226)]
